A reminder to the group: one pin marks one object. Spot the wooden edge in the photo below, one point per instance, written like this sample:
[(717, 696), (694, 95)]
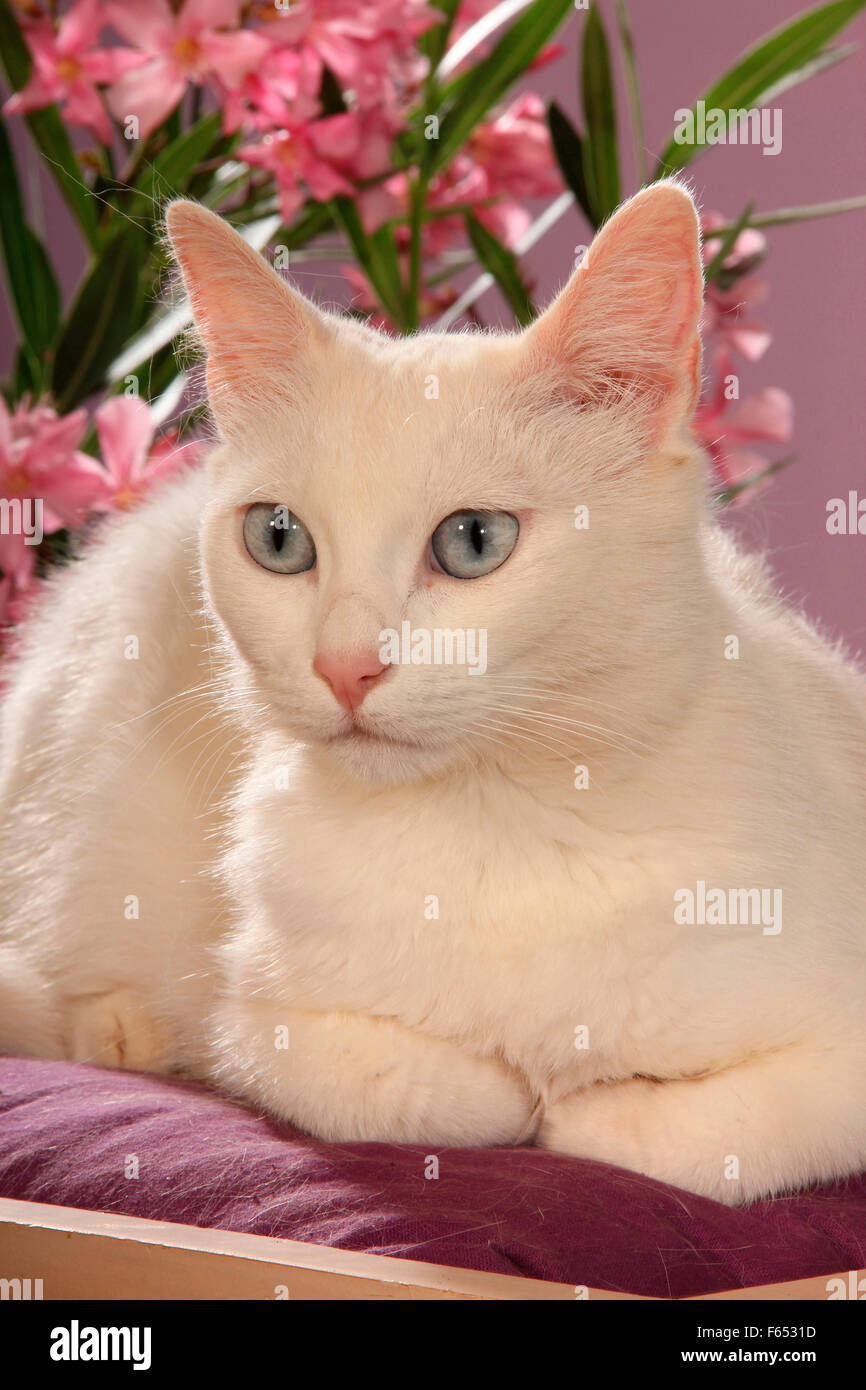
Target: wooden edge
[(81, 1254), (818, 1289), (99, 1255)]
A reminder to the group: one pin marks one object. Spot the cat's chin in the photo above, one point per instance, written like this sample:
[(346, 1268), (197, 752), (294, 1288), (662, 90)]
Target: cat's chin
[(383, 758)]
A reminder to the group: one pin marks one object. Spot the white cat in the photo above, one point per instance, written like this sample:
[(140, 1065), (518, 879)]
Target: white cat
[(397, 901)]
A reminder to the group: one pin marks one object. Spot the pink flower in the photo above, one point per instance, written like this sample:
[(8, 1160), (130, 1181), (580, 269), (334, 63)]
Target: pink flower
[(729, 302), (370, 47), (749, 248), (16, 601), (726, 316), (41, 465), (284, 85), (191, 46), (133, 463), (515, 151), (507, 159), (724, 428), (39, 459), (67, 66), (294, 157), (17, 563), (357, 146)]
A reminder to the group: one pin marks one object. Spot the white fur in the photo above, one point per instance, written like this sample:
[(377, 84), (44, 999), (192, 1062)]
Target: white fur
[(284, 868)]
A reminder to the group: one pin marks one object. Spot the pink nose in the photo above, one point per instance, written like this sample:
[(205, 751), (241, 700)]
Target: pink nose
[(350, 677)]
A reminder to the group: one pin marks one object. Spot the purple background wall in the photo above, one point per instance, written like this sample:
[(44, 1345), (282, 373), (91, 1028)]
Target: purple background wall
[(816, 271)]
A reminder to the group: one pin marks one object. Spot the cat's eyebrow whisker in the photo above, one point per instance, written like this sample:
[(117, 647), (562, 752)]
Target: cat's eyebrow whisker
[(267, 490)]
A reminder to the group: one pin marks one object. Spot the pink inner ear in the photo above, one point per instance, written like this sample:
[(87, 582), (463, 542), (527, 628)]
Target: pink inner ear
[(243, 311), (624, 330)]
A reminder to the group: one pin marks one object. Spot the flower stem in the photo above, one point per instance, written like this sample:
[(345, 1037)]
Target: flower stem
[(805, 214), (417, 201)]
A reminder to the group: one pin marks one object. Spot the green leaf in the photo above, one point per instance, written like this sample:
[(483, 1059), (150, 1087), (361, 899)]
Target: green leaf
[(104, 313), (47, 129), (600, 159), (435, 40), (27, 378), (762, 68), (568, 148), (474, 93), (782, 217), (633, 87), (826, 59), (499, 262), (377, 256), (170, 173), (387, 266), (32, 286)]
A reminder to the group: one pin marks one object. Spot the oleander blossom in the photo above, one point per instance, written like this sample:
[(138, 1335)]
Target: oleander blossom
[(726, 426), (370, 46), (300, 159), (729, 301), (201, 43), (40, 458), (508, 159), (41, 463), (726, 429), (370, 51), (69, 66)]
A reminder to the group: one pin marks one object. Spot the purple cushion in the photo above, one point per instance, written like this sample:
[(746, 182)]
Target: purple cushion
[(66, 1131)]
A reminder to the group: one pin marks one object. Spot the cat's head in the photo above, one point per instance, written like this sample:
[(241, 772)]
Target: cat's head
[(381, 508)]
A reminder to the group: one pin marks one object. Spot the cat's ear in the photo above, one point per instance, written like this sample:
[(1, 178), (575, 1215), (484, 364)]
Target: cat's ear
[(254, 328), (625, 328)]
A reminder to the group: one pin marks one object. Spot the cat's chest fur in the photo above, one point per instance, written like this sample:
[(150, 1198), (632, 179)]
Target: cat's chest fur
[(469, 909)]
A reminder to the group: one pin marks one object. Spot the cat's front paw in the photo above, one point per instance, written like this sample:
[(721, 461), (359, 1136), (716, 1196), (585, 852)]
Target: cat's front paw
[(346, 1077)]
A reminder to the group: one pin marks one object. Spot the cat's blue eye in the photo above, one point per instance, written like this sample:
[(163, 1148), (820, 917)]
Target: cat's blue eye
[(278, 540), (467, 545)]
